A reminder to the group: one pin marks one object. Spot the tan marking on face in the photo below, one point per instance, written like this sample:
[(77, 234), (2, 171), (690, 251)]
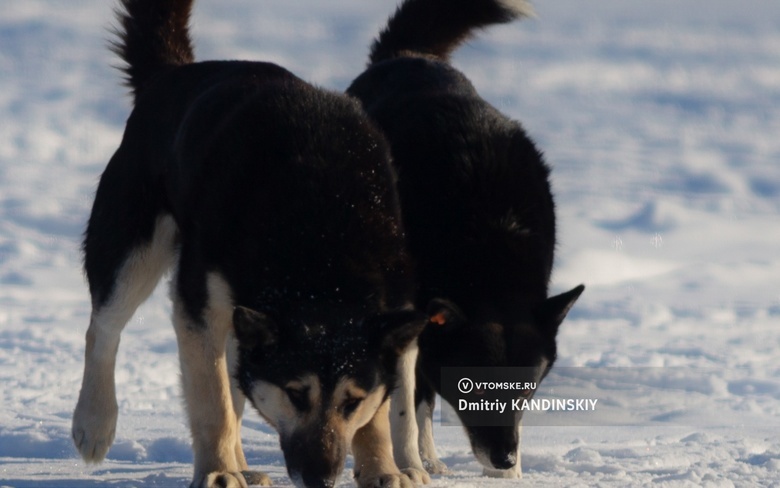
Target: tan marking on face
[(274, 406), (347, 390), (308, 386)]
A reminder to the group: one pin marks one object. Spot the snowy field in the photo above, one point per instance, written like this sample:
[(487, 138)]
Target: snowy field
[(660, 120)]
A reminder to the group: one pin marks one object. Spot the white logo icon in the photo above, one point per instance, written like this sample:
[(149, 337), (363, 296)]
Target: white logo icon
[(465, 385)]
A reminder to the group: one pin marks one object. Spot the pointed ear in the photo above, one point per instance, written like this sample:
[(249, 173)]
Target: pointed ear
[(253, 328), (398, 330), (552, 311), (443, 314)]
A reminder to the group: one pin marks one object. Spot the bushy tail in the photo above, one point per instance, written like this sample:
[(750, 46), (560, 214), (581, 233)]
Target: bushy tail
[(438, 27), (153, 35)]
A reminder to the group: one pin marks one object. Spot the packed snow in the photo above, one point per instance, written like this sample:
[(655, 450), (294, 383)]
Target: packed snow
[(660, 122)]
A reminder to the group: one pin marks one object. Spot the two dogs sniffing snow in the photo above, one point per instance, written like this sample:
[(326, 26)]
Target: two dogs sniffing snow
[(326, 254)]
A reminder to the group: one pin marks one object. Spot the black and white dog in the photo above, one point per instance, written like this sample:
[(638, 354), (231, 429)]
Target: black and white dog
[(275, 204), (479, 213)]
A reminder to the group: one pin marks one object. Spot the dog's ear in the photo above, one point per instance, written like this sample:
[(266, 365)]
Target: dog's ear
[(395, 331), (552, 311), (254, 329), (444, 315)]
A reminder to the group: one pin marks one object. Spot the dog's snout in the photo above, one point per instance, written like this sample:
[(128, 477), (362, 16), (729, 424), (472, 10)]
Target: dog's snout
[(501, 459), (315, 481), (313, 478), (316, 473), (314, 457)]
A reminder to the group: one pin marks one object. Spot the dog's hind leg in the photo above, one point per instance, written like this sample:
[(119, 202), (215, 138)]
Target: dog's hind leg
[(128, 247), (403, 422)]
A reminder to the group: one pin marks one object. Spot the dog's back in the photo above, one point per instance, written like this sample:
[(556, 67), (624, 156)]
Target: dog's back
[(218, 138)]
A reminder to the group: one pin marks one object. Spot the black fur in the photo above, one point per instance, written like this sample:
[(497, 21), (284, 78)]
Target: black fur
[(351, 344), (153, 37), (475, 196), (283, 189), (436, 27), (293, 178)]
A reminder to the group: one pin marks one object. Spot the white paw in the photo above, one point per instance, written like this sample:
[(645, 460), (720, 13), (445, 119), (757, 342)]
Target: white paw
[(256, 478), (93, 429), (435, 466), (386, 481), (513, 473), (417, 475), (219, 480)]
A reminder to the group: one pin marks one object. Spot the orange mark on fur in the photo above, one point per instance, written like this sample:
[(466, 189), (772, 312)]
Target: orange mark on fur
[(439, 319)]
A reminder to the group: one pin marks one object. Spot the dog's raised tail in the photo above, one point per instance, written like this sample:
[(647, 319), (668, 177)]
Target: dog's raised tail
[(438, 27), (152, 36)]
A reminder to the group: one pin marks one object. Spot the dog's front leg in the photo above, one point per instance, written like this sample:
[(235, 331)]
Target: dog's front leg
[(373, 453), (424, 413), (237, 398), (403, 421), (207, 395), (254, 478)]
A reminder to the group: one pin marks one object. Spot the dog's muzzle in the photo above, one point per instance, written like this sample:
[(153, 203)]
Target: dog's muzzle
[(501, 459), (314, 461)]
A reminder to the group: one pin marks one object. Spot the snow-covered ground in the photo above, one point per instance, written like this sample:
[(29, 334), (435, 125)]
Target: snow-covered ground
[(660, 120)]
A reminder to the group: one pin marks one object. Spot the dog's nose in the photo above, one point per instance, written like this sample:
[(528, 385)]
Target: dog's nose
[(503, 460), (316, 482)]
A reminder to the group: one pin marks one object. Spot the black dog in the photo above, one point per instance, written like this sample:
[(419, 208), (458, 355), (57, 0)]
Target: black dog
[(275, 203), (477, 206)]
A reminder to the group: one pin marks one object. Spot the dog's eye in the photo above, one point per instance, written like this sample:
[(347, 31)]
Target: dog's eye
[(299, 398), (350, 405)]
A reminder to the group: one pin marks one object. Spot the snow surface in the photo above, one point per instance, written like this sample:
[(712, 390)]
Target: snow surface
[(660, 120)]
